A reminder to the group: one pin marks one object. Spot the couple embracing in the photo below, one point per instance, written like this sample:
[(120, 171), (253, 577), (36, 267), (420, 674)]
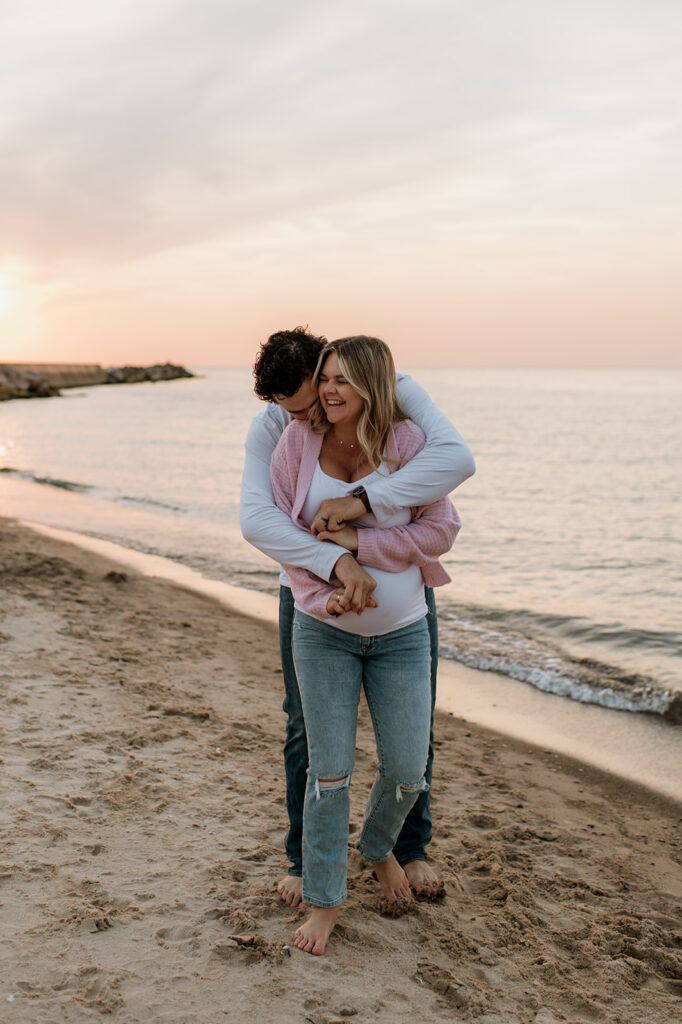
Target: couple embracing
[(345, 484)]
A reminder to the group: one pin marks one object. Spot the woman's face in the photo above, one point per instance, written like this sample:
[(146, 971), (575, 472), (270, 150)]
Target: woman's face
[(340, 401)]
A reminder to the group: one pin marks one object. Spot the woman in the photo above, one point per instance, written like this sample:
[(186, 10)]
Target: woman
[(356, 429)]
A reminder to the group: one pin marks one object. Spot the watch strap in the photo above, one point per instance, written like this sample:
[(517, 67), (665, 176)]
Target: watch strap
[(361, 493)]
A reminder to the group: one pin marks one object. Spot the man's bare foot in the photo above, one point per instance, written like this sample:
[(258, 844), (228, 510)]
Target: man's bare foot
[(291, 890), (392, 879), (312, 936), (424, 880)]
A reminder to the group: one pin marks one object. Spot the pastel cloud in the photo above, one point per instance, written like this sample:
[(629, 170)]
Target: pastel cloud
[(495, 141)]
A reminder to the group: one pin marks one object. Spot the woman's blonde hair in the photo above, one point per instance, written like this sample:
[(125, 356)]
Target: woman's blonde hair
[(367, 365)]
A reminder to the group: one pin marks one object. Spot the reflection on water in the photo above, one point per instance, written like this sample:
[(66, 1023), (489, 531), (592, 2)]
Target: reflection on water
[(566, 572)]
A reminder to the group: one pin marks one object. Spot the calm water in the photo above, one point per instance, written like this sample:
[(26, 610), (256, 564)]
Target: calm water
[(567, 573)]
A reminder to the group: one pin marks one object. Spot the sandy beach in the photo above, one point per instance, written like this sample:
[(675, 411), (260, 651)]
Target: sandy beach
[(143, 822)]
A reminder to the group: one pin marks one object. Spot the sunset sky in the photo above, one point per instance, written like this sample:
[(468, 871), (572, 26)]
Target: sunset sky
[(491, 183)]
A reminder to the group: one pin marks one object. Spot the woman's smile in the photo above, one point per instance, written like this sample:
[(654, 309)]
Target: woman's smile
[(340, 401)]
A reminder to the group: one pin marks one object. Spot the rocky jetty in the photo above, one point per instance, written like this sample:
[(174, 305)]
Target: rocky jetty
[(24, 384), (44, 380), (137, 374)]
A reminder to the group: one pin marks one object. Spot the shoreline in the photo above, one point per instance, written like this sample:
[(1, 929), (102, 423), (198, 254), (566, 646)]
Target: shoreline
[(144, 830), (576, 655), (641, 749)]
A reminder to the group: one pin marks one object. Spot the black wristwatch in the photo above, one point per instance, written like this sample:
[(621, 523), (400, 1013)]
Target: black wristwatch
[(361, 493)]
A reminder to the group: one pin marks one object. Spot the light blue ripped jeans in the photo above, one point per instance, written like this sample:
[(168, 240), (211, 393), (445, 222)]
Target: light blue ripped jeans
[(332, 666)]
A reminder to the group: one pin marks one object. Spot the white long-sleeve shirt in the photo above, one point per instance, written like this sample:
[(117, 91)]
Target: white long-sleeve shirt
[(443, 464)]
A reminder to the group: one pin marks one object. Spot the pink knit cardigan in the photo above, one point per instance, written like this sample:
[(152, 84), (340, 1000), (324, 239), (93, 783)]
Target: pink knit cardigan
[(431, 532)]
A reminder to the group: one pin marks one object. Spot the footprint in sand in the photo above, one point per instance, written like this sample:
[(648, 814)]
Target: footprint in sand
[(92, 986), (250, 949), (441, 981), (177, 933), (482, 821)]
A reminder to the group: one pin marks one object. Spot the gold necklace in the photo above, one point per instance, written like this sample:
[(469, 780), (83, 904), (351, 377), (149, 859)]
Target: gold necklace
[(345, 444)]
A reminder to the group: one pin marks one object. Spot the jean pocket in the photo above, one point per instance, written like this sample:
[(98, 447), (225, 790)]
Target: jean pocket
[(306, 625)]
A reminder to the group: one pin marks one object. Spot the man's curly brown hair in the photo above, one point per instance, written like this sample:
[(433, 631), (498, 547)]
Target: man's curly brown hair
[(285, 361)]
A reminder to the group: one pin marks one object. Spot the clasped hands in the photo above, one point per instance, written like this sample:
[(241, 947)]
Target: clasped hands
[(332, 523)]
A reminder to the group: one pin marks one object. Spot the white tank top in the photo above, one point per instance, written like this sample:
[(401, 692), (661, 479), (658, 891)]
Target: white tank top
[(400, 594)]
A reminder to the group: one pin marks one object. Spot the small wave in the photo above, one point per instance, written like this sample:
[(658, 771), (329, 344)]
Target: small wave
[(167, 506), (545, 666), (648, 699), (573, 627), (78, 488), (50, 481)]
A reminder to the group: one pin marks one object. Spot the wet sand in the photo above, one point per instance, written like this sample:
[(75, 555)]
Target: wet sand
[(642, 748), (143, 824)]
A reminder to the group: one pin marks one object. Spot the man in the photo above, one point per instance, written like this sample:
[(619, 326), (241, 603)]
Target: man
[(283, 378)]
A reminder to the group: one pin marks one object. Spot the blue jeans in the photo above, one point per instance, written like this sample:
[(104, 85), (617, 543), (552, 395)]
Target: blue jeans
[(332, 667), (415, 834)]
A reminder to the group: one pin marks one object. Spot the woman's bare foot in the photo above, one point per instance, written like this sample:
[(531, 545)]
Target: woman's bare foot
[(312, 936), (291, 890), (424, 880), (392, 879)]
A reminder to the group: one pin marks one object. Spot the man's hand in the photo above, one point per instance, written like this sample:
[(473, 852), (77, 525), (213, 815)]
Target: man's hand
[(345, 538), (336, 512), (357, 586)]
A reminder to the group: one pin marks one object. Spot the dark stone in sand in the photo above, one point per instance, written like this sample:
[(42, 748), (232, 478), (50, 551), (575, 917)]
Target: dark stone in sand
[(116, 577)]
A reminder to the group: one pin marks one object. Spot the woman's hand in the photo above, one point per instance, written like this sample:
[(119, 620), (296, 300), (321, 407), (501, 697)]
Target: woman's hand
[(334, 606), (334, 513), (347, 537), (340, 602), (358, 585)]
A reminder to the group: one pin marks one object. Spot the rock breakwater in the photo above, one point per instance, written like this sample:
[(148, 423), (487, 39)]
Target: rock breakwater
[(44, 380)]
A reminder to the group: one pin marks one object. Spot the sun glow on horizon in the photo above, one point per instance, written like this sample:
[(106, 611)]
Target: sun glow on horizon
[(249, 174)]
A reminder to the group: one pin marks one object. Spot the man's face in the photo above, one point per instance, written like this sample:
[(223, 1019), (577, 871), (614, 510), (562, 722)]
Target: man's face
[(299, 403)]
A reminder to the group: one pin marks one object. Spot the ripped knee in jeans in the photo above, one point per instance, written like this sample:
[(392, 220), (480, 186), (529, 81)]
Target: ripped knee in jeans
[(334, 784), (410, 787)]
